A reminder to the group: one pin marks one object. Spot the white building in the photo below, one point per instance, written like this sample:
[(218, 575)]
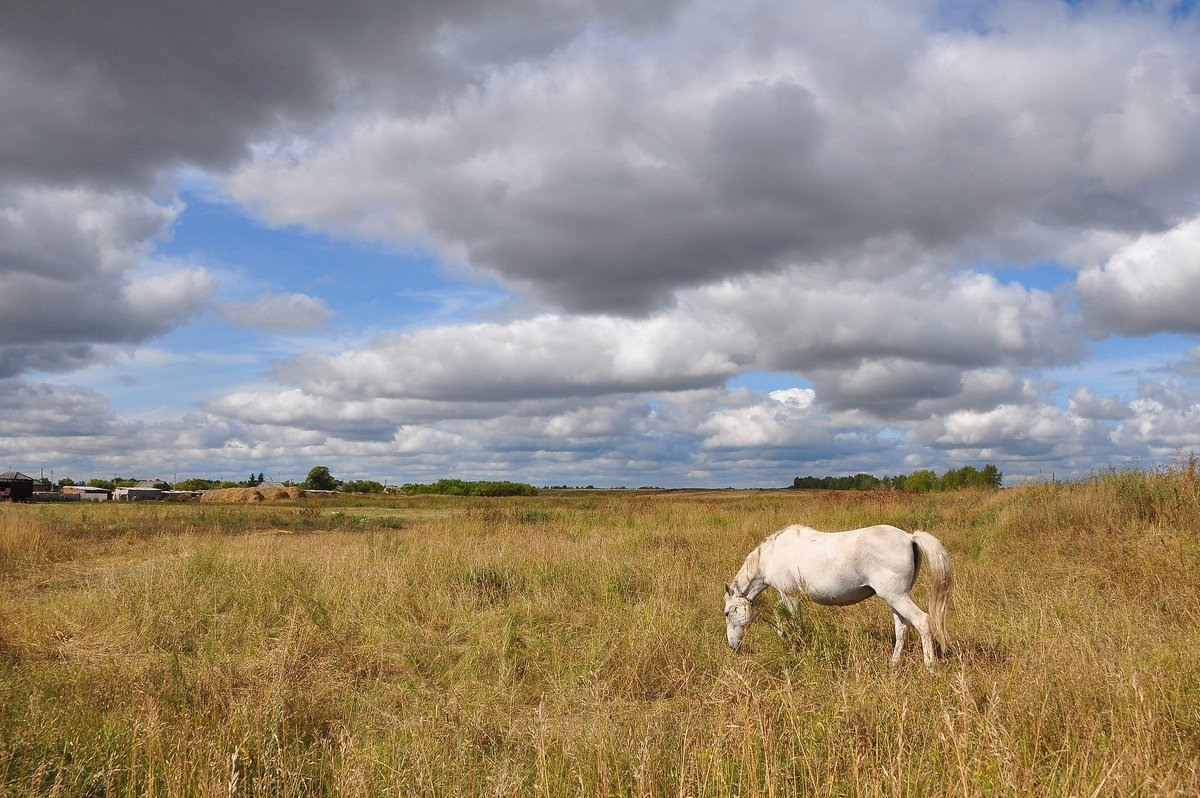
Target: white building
[(144, 492), (87, 493)]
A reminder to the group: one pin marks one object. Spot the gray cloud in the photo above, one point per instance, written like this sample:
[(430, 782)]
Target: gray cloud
[(112, 95), (1085, 404), (615, 176), (48, 357), (73, 264), (56, 427)]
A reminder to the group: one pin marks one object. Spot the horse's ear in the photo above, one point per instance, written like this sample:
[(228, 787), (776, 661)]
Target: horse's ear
[(728, 589)]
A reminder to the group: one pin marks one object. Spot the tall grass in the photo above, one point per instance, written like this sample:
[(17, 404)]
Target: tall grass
[(572, 644)]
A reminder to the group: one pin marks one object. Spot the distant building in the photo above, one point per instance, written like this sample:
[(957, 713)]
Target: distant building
[(137, 494), (87, 493), (15, 486)]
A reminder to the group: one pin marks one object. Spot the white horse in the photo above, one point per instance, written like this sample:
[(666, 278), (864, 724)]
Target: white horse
[(843, 568)]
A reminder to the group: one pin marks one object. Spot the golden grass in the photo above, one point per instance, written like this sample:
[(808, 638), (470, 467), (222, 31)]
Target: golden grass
[(572, 644)]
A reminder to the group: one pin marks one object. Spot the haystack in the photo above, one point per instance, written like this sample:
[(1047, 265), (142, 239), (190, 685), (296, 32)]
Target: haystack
[(251, 495)]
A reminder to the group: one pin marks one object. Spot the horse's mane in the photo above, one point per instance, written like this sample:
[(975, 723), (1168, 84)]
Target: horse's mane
[(752, 566)]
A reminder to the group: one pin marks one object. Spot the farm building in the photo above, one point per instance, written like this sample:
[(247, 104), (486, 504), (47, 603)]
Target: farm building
[(87, 493), (141, 493), (15, 486)]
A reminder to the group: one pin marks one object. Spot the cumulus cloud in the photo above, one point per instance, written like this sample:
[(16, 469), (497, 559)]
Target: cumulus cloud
[(1164, 418), (1148, 286), (1085, 404), (785, 418), (39, 410), (1023, 428), (73, 263), (95, 94), (289, 312), (547, 357), (613, 176), (867, 346)]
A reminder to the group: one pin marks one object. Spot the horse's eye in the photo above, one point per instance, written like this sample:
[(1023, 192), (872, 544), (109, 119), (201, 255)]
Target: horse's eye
[(726, 613)]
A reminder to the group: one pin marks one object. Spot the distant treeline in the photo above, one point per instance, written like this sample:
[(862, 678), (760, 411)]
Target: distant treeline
[(461, 487), (922, 481)]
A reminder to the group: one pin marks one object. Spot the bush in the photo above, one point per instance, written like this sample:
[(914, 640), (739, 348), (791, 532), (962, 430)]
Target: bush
[(459, 487)]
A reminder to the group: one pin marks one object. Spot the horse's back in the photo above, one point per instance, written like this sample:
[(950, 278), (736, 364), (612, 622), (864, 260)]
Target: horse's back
[(876, 537), (837, 567)]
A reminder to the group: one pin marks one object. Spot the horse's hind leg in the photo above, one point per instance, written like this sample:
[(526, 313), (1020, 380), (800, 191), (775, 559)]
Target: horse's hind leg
[(901, 634), (907, 610)]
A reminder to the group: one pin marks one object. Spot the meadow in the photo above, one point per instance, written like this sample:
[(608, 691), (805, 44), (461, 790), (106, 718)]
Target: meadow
[(572, 643)]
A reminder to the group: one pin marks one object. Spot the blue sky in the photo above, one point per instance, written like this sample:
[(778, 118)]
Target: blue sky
[(675, 243)]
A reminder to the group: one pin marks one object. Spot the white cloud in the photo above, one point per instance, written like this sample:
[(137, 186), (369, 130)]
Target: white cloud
[(1165, 418), (290, 312), (785, 419), (1150, 285), (1043, 426), (546, 356)]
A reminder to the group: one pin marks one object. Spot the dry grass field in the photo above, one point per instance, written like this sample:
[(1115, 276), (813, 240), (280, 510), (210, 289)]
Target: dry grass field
[(573, 644)]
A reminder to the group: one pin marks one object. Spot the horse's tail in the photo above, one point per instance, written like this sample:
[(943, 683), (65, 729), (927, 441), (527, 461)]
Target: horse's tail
[(941, 575)]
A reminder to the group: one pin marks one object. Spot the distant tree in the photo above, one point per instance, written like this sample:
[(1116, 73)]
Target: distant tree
[(261, 477), (362, 486), (66, 482), (319, 478), (460, 487), (857, 482), (992, 477), (865, 481), (921, 481), (951, 480), (196, 483)]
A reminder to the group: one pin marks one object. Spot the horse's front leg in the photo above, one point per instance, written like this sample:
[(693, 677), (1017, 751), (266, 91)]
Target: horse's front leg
[(786, 624)]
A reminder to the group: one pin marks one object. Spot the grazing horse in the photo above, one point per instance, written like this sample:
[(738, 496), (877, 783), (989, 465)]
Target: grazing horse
[(843, 568)]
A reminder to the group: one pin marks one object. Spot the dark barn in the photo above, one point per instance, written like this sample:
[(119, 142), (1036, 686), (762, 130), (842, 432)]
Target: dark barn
[(15, 486)]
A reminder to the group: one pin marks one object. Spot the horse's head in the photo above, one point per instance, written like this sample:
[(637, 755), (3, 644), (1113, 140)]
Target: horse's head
[(738, 614)]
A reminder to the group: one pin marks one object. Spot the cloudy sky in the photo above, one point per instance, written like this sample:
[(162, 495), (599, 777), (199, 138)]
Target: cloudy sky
[(625, 243)]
